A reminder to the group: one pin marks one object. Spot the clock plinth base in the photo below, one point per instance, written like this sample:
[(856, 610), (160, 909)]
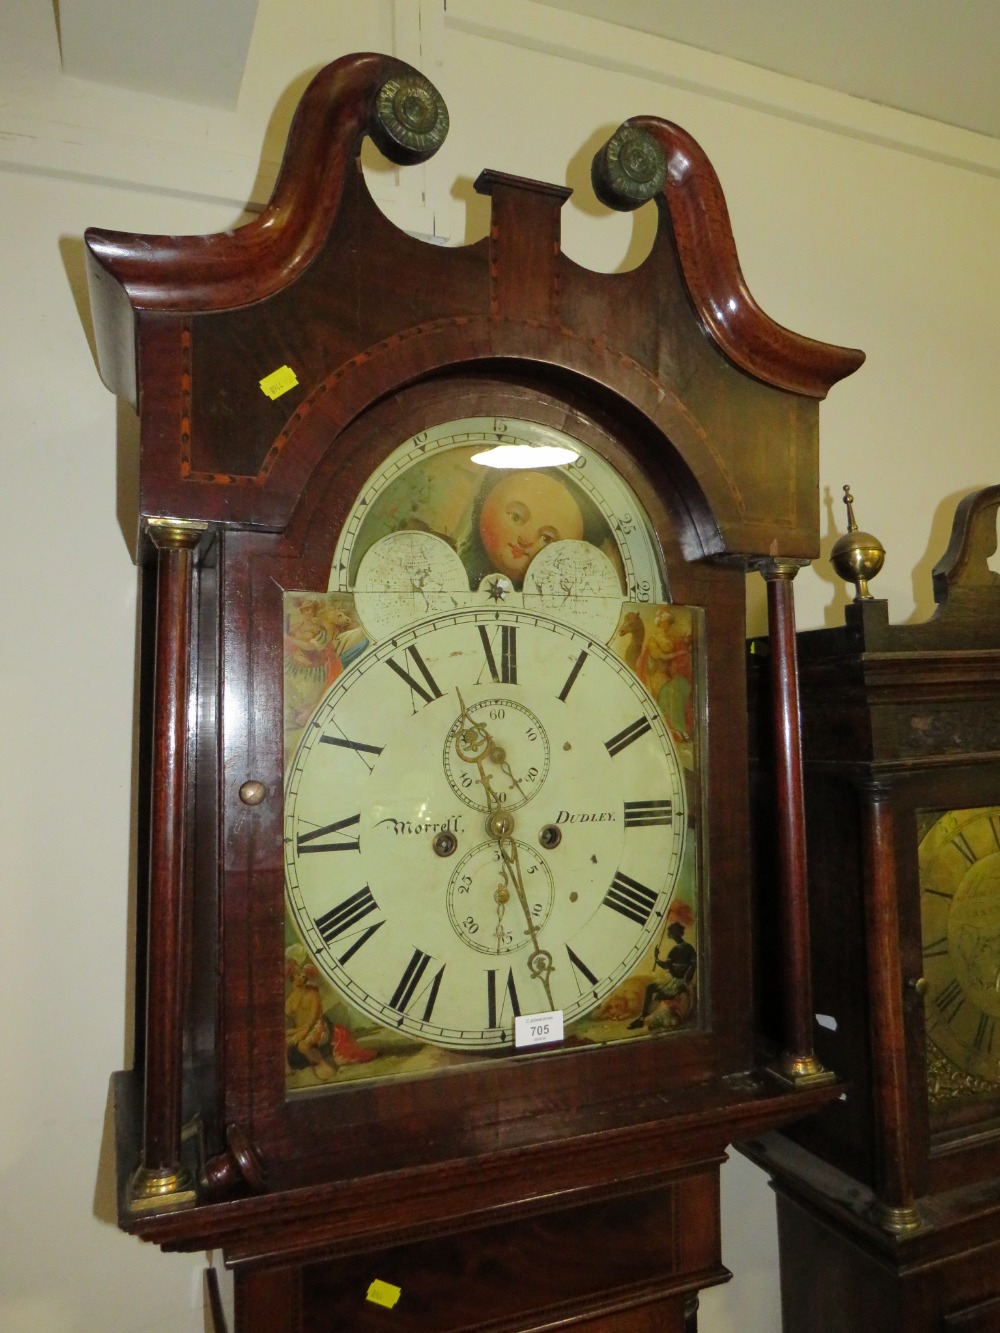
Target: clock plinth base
[(842, 1269), (156, 1188)]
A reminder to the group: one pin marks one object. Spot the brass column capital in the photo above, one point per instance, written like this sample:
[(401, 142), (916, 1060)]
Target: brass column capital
[(175, 534), (772, 568)]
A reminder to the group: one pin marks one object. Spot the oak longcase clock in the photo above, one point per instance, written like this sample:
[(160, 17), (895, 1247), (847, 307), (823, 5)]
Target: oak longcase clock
[(444, 787), (897, 1185)]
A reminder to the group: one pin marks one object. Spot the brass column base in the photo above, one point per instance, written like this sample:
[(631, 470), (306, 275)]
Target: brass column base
[(800, 1071), (894, 1219), (161, 1187)]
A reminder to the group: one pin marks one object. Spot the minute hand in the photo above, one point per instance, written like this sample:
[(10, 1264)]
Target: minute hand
[(500, 825), (540, 960)]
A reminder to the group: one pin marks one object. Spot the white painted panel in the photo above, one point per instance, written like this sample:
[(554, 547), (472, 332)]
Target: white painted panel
[(192, 50)]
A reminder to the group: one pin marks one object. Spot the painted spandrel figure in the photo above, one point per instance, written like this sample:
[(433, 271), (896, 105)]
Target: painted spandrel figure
[(667, 1003)]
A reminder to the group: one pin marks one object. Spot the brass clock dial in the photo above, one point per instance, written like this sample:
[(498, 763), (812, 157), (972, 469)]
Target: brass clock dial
[(959, 859)]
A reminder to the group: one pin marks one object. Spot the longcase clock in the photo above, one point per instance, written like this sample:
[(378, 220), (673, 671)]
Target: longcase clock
[(889, 1199), (446, 963)]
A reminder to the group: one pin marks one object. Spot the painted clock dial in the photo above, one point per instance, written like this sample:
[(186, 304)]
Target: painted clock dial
[(492, 763), (959, 861), (485, 817)]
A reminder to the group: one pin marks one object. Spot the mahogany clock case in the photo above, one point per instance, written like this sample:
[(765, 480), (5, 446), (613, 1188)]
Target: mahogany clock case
[(713, 425), (955, 1141), (253, 570)]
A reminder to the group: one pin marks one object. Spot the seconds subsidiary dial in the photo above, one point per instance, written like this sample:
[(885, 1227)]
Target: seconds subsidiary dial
[(485, 817)]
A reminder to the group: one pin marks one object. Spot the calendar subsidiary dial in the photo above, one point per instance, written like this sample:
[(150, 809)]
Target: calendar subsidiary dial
[(485, 817)]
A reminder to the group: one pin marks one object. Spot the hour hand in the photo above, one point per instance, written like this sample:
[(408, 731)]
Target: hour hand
[(473, 743), (476, 744), (498, 755)]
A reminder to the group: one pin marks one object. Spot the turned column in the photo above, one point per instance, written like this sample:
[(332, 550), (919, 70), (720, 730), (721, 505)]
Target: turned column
[(797, 1063), (894, 1205), (161, 1180)]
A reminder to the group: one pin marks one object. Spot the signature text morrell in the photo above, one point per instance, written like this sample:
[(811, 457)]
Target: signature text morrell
[(453, 824)]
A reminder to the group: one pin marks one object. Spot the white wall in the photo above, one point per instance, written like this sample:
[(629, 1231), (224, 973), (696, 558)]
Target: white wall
[(855, 224)]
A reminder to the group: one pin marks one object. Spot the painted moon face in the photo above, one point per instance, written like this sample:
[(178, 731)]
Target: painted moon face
[(444, 482), (524, 513)]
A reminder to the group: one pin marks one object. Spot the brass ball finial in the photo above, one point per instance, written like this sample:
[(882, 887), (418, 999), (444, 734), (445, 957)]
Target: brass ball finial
[(857, 556)]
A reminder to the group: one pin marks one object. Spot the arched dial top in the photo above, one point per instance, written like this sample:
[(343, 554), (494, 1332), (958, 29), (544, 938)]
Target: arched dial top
[(479, 510)]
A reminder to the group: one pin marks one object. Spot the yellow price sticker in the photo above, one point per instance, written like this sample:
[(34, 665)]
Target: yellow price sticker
[(279, 381), (383, 1293)]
